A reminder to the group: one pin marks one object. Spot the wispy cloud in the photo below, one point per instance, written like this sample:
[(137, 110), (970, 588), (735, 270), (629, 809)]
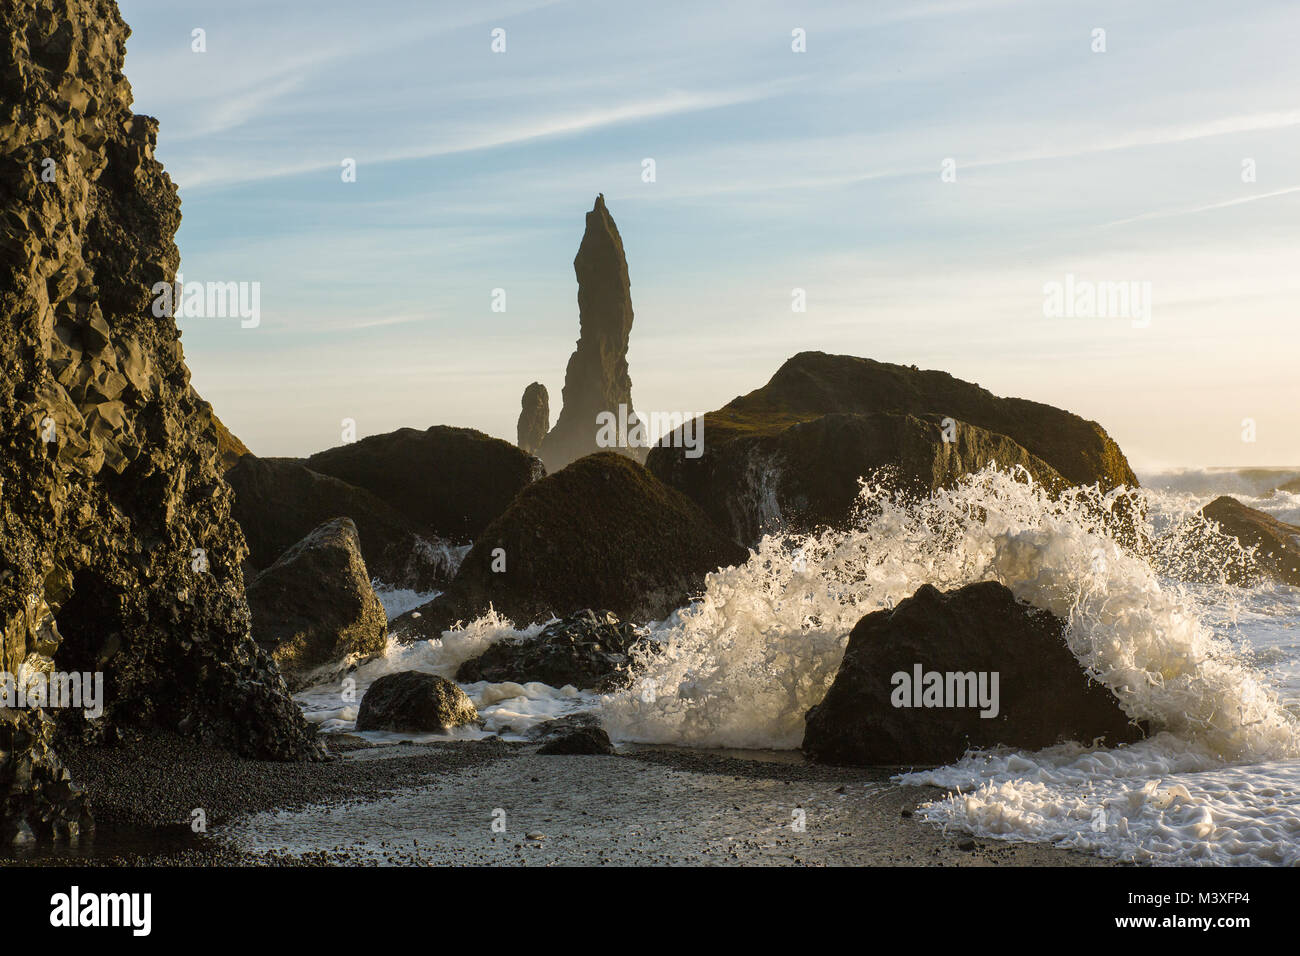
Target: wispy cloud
[(1207, 207), (777, 169)]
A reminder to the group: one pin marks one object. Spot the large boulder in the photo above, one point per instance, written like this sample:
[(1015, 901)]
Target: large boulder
[(878, 712), (572, 735), (414, 701), (279, 500), (1276, 543), (589, 650), (596, 381), (751, 473), (584, 741), (602, 532), (534, 418), (447, 482), (314, 608), (115, 518), (807, 475)]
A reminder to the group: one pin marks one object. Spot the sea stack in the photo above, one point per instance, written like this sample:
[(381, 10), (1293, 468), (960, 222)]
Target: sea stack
[(596, 379), (534, 418)]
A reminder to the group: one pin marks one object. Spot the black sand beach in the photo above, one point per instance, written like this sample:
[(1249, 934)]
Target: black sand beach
[(433, 805)]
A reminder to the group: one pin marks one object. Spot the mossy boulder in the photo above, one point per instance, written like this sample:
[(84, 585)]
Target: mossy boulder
[(807, 475), (413, 701), (603, 532), (752, 473), (314, 608)]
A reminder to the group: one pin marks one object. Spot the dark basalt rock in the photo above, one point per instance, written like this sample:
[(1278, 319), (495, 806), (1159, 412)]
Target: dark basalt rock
[(1276, 543), (1044, 696), (279, 500), (38, 799), (806, 476), (585, 741), (114, 514), (314, 607), (229, 448), (744, 440), (603, 533), (557, 727), (446, 482), (414, 701), (596, 379), (534, 418), (590, 650), (572, 734)]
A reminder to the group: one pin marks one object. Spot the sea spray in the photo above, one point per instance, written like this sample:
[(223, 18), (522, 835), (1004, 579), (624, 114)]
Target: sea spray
[(334, 707), (763, 643), (1218, 782), (1139, 577)]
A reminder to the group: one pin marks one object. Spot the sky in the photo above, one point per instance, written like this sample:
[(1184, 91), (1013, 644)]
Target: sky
[(924, 170)]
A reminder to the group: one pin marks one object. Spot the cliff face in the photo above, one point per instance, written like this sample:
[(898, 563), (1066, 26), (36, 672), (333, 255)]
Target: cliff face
[(597, 378), (117, 550)]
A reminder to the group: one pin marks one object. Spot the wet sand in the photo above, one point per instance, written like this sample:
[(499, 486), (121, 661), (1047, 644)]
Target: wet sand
[(437, 804)]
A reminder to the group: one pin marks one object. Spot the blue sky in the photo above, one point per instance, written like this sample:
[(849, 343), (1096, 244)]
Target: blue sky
[(775, 170)]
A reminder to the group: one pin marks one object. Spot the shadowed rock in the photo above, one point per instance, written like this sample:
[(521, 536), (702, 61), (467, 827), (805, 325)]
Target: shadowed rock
[(754, 477), (807, 475), (1276, 543), (414, 701), (603, 533), (584, 741), (1043, 695), (447, 482), (534, 418), (279, 500), (597, 378), (579, 734), (314, 608), (116, 519)]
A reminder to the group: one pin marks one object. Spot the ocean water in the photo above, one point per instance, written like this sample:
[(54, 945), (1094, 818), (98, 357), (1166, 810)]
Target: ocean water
[(1214, 668)]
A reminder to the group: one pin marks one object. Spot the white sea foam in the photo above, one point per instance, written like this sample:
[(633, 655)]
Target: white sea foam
[(333, 707), (1214, 670), (397, 601), (764, 642)]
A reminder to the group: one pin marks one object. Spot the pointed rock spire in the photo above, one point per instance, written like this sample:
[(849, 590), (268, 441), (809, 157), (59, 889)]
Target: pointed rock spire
[(596, 379), (534, 417)]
